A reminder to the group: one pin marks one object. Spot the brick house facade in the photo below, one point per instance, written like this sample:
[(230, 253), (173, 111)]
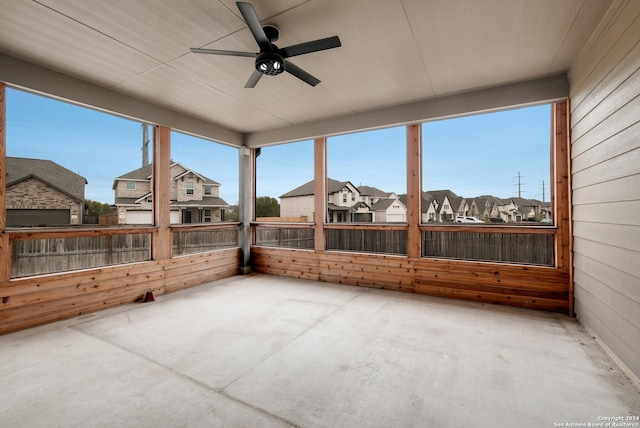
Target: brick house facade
[(43, 193)]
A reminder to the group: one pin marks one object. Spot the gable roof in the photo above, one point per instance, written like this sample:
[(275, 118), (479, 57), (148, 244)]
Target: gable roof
[(383, 204), (47, 171), (144, 174), (372, 191), (308, 188)]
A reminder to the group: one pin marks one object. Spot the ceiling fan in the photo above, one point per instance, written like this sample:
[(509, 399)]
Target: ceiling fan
[(271, 60)]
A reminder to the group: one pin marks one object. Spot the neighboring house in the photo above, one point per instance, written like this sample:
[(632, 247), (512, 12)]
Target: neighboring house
[(345, 203), (194, 197), (429, 207), (42, 193), (390, 210), (444, 201)]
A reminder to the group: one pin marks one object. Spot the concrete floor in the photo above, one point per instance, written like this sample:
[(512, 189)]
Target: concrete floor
[(262, 351)]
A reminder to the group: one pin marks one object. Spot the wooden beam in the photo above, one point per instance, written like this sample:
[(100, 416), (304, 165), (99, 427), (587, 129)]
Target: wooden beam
[(5, 244), (320, 192), (414, 190), (44, 81), (161, 242), (561, 195), (505, 97)]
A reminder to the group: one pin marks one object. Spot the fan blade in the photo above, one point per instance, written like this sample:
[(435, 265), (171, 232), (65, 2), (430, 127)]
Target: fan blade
[(300, 73), (250, 17), (219, 52), (308, 47), (253, 80)]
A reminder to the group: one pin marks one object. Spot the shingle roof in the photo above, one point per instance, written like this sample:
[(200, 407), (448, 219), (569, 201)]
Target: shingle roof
[(209, 201), (205, 202), (372, 191), (55, 175), (144, 174), (382, 204), (308, 188)]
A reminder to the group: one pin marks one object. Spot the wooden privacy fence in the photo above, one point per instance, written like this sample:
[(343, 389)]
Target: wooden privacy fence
[(285, 237), (367, 240), (535, 249), (60, 254), (189, 241), (519, 245)]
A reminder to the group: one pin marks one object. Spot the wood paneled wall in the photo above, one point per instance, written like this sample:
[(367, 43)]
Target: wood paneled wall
[(530, 287), (39, 300), (605, 152)]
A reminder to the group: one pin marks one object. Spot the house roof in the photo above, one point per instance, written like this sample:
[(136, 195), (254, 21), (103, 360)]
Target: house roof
[(502, 46), (382, 204), (373, 192), (144, 174), (209, 201), (205, 202), (49, 172), (308, 188)]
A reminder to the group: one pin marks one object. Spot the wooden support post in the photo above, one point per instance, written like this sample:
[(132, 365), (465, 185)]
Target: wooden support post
[(247, 166), (414, 190), (5, 244), (561, 195), (320, 192), (162, 242)]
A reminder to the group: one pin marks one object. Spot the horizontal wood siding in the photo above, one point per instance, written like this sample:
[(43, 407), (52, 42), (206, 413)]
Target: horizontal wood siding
[(39, 300), (189, 271), (605, 152), (514, 285)]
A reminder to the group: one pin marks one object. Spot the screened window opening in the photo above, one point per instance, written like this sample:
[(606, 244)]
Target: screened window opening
[(367, 177), (205, 177), (492, 168)]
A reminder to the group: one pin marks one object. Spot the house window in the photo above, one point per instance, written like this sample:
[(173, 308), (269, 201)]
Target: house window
[(131, 185), (207, 216), (353, 197), (344, 197), (445, 206), (207, 190), (189, 188)]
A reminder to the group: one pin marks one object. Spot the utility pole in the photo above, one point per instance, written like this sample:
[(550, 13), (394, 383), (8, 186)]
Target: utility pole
[(519, 184), (145, 144), (543, 192)]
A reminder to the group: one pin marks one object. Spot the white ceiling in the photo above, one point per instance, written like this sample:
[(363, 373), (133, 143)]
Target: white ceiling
[(394, 52)]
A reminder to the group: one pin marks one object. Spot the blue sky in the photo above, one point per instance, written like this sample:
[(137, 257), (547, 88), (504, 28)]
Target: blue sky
[(472, 155)]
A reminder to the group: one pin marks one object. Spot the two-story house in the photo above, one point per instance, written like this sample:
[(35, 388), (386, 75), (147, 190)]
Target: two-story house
[(194, 197), (40, 192), (345, 203)]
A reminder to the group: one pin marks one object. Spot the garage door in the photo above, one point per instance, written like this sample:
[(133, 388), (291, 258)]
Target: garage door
[(38, 217), (145, 217), (139, 217)]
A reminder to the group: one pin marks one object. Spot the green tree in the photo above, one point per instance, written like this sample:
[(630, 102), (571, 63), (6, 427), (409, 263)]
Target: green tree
[(97, 208), (267, 206)]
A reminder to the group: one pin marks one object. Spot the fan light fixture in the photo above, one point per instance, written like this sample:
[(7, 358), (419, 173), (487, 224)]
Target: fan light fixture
[(269, 63)]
